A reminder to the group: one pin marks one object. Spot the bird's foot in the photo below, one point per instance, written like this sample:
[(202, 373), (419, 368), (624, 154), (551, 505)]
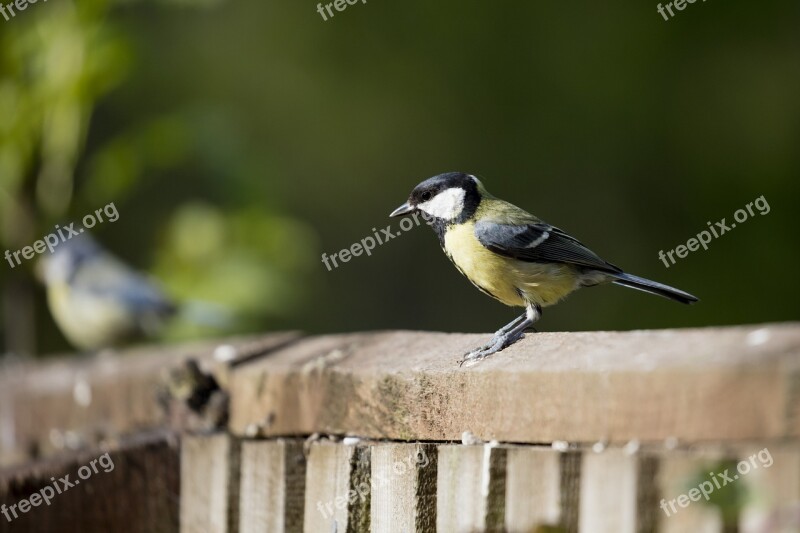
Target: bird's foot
[(498, 343)]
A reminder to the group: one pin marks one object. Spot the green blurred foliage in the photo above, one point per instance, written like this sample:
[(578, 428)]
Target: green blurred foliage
[(233, 263), (278, 136), (245, 261), (54, 68), (731, 496)]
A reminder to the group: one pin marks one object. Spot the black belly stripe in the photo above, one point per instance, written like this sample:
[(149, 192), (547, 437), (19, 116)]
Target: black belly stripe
[(484, 291)]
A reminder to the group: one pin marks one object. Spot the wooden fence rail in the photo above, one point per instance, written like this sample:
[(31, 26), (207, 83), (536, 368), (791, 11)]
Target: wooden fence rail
[(662, 431)]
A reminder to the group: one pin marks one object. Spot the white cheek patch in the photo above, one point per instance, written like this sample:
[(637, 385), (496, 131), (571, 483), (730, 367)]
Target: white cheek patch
[(447, 205)]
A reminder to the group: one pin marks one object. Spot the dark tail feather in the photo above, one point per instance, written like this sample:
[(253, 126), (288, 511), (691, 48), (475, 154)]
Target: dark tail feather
[(635, 282)]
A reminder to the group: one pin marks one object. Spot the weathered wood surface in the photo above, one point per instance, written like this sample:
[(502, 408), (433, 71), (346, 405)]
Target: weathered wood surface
[(210, 478), (609, 483), (134, 489), (273, 486), (533, 487), (563, 432), (337, 488), (227, 485), (646, 385), (471, 484), (403, 487), (74, 402), (385, 487), (713, 384)]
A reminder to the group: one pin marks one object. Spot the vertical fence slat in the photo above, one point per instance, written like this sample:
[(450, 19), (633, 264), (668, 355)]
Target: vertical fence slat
[(647, 494), (471, 488), (209, 484), (272, 486), (334, 475), (403, 488), (533, 488), (608, 492)]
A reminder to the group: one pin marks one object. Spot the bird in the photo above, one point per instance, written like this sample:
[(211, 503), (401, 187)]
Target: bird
[(511, 255), (96, 300)]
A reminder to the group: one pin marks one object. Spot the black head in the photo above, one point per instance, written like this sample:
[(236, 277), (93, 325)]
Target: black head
[(449, 198)]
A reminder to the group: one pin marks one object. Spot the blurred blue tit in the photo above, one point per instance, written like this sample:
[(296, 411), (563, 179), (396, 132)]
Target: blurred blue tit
[(96, 300)]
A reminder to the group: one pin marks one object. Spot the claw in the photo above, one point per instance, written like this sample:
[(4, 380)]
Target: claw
[(495, 345), (505, 336)]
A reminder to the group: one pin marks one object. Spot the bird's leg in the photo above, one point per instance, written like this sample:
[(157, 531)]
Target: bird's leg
[(508, 327), (507, 335), (502, 331)]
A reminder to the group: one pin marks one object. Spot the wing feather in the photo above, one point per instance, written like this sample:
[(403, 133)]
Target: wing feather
[(538, 243)]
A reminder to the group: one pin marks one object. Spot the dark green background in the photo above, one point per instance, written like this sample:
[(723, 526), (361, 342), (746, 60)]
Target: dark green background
[(627, 131)]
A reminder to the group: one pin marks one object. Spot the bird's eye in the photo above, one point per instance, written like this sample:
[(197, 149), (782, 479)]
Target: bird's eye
[(427, 195)]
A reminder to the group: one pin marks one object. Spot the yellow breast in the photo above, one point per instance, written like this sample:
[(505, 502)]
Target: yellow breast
[(88, 322), (510, 281)]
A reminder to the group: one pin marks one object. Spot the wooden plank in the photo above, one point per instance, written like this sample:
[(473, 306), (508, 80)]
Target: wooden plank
[(403, 487), (576, 387), (648, 494), (471, 482), (608, 492), (337, 488), (571, 465), (10, 452), (273, 478), (130, 488), (72, 402), (533, 488), (210, 484)]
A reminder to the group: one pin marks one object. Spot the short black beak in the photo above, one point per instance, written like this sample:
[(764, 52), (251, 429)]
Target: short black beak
[(404, 209)]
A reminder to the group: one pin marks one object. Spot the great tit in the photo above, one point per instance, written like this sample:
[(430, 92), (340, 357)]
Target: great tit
[(511, 255), (96, 300)]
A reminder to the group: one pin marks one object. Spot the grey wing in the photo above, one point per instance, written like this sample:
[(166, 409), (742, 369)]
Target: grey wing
[(106, 277), (538, 243)]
